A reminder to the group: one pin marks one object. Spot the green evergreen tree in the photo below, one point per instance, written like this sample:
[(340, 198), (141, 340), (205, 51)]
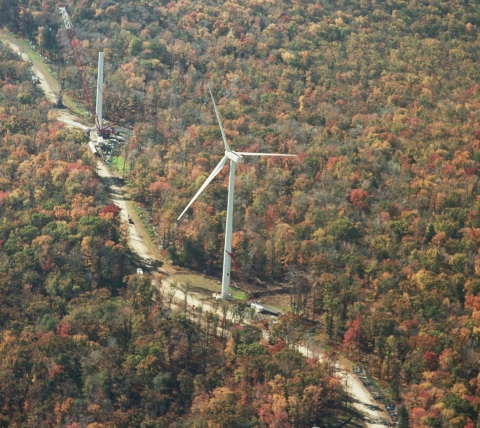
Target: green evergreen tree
[(403, 419)]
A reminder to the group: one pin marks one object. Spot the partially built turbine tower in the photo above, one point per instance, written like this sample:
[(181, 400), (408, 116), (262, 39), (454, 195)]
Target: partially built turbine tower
[(98, 107)]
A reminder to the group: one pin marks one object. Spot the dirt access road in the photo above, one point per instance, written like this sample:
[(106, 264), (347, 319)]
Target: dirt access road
[(374, 415), (17, 48), (136, 241), (362, 400)]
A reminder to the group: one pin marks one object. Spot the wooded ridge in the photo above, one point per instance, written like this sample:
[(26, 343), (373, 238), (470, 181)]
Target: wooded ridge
[(374, 226)]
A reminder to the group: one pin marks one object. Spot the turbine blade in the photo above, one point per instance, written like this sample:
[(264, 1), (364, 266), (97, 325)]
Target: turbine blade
[(207, 181), (262, 154), (219, 120)]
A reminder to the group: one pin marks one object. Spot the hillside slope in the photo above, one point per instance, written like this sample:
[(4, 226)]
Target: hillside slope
[(375, 226)]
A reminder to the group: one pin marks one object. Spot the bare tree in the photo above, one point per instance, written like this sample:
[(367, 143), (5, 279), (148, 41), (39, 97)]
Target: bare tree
[(299, 290), (186, 290), (171, 293)]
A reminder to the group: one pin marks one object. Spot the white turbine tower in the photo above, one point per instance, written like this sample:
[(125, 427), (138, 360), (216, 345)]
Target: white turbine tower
[(235, 157), (99, 101), (98, 104)]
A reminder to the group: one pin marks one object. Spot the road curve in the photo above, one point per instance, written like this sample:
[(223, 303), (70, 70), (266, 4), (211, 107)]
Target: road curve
[(362, 400), (17, 48)]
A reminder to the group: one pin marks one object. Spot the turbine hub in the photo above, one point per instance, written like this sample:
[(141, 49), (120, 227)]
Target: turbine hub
[(235, 157)]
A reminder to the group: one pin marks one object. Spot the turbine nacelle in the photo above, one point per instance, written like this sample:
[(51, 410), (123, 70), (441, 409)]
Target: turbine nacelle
[(235, 157)]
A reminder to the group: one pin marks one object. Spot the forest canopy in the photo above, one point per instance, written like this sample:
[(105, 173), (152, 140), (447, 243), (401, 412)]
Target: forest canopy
[(373, 227)]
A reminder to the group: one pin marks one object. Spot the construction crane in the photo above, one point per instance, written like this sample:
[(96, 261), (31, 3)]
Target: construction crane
[(75, 45)]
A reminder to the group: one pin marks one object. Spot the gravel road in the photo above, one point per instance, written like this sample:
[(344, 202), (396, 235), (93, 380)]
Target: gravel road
[(49, 93), (374, 414)]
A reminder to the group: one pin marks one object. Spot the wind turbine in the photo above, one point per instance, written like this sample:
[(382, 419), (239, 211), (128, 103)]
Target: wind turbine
[(234, 157)]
